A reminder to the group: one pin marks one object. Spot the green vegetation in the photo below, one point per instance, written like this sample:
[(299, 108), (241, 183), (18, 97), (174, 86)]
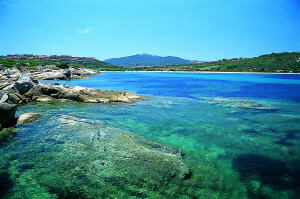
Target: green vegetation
[(98, 64), (275, 62), (62, 65), (23, 63), (30, 64), (101, 66)]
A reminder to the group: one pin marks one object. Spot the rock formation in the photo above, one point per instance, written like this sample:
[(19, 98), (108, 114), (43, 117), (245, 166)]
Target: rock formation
[(20, 89), (27, 89), (7, 114), (64, 74)]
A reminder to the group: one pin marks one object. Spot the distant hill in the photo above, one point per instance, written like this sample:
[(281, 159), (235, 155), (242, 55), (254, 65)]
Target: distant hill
[(276, 62), (141, 60), (99, 64), (30, 64)]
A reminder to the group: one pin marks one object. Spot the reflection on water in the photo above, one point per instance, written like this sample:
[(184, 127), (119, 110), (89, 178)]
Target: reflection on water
[(233, 148)]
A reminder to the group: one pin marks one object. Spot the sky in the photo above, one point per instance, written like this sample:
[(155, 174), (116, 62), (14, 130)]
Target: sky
[(193, 29)]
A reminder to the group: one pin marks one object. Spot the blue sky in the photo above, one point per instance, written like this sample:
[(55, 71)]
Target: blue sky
[(192, 29)]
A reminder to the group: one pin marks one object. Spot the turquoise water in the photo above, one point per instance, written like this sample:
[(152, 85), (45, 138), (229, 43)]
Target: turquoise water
[(233, 150)]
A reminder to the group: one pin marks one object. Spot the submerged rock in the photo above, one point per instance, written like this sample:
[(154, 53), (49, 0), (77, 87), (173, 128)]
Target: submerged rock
[(235, 103), (82, 153), (28, 118), (7, 133)]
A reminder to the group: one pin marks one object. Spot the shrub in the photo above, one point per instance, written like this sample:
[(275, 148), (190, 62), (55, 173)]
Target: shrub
[(62, 65)]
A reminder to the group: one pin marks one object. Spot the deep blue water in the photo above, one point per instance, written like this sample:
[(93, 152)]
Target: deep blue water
[(193, 84), (234, 150)]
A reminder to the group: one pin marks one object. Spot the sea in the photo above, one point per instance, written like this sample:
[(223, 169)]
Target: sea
[(239, 135)]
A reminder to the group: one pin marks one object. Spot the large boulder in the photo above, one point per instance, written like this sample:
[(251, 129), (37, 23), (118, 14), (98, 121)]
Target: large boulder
[(24, 84), (14, 98), (68, 73), (7, 114), (50, 75)]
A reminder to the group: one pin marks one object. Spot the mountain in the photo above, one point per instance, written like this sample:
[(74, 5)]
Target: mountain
[(142, 60)]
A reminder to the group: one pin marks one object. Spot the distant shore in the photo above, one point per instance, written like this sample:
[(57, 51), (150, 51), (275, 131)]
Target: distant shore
[(199, 72)]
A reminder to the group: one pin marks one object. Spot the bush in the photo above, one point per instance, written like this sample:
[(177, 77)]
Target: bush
[(62, 65)]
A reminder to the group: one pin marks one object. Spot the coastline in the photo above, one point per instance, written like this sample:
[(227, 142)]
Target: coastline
[(200, 72)]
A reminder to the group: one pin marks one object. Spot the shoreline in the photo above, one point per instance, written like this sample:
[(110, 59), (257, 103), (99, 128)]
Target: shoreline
[(199, 72)]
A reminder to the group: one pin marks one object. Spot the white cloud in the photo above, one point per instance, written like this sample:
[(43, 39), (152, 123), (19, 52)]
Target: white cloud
[(84, 31)]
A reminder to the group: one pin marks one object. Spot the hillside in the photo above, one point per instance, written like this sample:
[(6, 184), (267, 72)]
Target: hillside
[(30, 64), (100, 65), (140, 60), (275, 62)]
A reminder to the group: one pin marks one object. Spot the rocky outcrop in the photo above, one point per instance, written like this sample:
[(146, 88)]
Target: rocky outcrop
[(64, 74), (28, 118), (7, 114), (51, 92), (27, 89), (52, 75), (8, 77), (49, 72)]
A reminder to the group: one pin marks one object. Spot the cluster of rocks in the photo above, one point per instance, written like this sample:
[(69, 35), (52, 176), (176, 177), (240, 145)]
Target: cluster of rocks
[(17, 88), (27, 89), (63, 74), (7, 76)]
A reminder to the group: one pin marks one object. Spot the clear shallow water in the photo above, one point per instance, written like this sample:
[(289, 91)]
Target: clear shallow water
[(233, 151)]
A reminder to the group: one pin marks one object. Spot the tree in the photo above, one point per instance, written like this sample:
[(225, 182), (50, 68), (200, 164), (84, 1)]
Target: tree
[(62, 65)]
